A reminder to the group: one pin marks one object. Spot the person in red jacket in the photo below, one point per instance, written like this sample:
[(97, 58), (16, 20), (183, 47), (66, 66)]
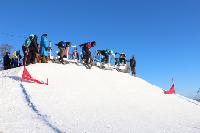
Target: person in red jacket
[(86, 51)]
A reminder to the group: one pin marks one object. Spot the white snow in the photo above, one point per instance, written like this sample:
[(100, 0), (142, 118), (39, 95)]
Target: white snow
[(80, 100)]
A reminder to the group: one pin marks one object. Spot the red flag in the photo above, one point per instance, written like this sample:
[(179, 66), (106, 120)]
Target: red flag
[(171, 90), (26, 76)]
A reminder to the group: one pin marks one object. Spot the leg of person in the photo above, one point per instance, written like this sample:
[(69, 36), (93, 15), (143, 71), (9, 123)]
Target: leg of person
[(61, 54), (46, 59), (106, 58), (28, 59), (32, 58), (43, 59), (133, 71)]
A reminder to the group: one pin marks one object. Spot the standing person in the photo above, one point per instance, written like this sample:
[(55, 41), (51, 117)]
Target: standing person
[(86, 51), (25, 49), (38, 57), (133, 65), (33, 49), (66, 51), (14, 60), (18, 58), (44, 45), (49, 50), (6, 61), (61, 47)]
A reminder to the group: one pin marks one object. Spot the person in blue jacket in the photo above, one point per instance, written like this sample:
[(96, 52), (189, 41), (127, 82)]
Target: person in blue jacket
[(44, 45)]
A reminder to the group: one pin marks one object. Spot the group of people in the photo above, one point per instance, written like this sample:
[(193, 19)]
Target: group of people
[(12, 61), (102, 56), (35, 52)]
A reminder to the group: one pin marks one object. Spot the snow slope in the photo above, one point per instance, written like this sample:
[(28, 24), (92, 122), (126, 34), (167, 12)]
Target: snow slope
[(79, 100)]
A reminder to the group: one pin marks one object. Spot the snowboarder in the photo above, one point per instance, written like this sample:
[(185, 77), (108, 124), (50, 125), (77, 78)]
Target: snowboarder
[(87, 58), (61, 46)]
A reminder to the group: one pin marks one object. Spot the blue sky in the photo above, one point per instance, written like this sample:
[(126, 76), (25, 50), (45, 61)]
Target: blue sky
[(164, 35)]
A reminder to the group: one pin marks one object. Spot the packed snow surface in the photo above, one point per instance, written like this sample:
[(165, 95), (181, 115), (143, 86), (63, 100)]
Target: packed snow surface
[(80, 100)]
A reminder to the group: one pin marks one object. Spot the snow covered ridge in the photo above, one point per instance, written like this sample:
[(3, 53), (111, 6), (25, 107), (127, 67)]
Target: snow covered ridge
[(79, 100)]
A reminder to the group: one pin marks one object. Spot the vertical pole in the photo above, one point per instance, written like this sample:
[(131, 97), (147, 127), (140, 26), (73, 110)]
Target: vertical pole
[(50, 44), (67, 53)]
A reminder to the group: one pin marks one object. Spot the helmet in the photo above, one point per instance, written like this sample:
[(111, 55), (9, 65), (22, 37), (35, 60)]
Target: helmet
[(111, 52), (31, 36)]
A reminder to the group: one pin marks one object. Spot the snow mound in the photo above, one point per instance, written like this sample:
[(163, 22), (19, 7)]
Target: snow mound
[(79, 100)]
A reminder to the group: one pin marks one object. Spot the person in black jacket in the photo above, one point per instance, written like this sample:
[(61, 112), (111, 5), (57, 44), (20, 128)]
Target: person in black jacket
[(133, 65), (33, 49), (86, 53), (122, 58), (7, 61), (61, 46)]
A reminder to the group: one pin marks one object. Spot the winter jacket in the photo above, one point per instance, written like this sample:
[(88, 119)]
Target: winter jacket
[(132, 62), (88, 45), (44, 44), (33, 45), (6, 62)]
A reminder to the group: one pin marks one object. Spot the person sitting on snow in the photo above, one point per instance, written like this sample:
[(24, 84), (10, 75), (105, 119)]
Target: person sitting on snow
[(86, 51), (105, 54), (98, 56), (122, 58), (75, 54)]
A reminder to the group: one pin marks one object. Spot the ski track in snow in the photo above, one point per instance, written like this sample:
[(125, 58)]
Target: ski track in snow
[(43, 117), (121, 104)]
